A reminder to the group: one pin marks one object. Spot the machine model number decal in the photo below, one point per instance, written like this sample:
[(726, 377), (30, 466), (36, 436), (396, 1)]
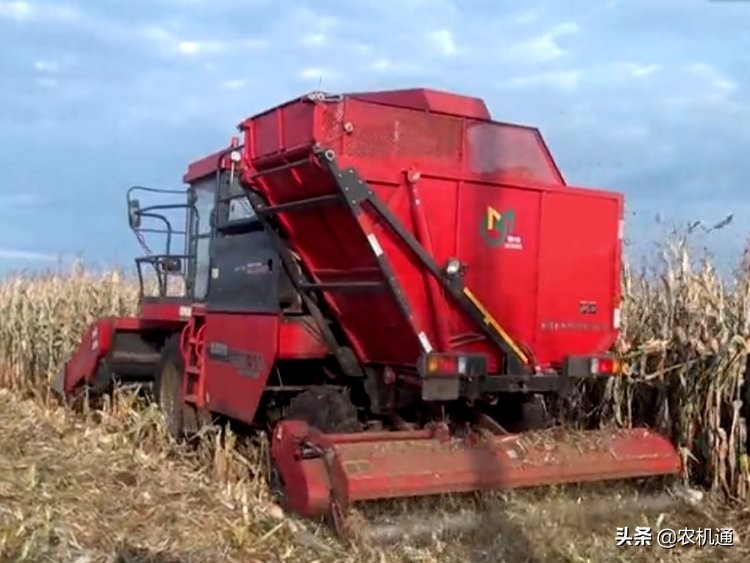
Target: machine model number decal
[(567, 325), (249, 364), (587, 307), (498, 229), (253, 268)]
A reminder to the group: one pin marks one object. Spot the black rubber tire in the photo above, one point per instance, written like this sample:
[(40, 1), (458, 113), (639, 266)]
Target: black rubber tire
[(168, 387), (535, 416), (325, 408), (183, 420)]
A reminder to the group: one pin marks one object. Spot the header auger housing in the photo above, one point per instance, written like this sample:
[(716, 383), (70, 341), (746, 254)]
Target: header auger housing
[(386, 282)]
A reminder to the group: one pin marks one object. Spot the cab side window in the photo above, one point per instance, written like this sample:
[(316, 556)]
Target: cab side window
[(234, 211), (204, 194)]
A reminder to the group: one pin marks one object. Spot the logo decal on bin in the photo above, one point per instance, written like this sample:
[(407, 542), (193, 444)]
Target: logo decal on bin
[(499, 229)]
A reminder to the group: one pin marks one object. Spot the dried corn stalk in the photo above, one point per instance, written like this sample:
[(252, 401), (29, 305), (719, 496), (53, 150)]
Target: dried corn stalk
[(685, 332)]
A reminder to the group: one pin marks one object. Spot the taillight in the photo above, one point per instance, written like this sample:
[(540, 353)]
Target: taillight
[(605, 366), (436, 364), (452, 364)]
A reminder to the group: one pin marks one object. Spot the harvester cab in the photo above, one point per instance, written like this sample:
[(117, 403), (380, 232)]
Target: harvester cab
[(382, 281), (218, 231), (173, 263)]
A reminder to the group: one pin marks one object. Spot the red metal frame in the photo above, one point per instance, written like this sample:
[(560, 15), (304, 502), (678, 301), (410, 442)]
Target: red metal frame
[(433, 101), (219, 160), (165, 311), (227, 390), (438, 164), (96, 343), (285, 338), (419, 153), (453, 158), (325, 474)]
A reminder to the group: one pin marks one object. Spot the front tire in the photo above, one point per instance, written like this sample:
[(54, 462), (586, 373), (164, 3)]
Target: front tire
[(181, 419)]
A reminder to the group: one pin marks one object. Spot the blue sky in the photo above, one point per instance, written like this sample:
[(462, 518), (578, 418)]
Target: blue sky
[(651, 98)]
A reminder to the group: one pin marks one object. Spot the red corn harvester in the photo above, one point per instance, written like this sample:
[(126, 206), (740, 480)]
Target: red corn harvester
[(387, 282)]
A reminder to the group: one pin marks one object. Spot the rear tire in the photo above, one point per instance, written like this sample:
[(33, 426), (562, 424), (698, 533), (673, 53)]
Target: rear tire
[(325, 408), (535, 415)]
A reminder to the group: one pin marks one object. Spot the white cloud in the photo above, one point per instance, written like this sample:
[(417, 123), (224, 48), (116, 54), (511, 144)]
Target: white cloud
[(193, 48), (172, 44), (188, 47), (14, 200), (307, 24), (639, 71), (316, 73), (564, 29), (13, 254), (443, 7), (629, 133), (46, 66), (443, 41), (388, 67), (704, 85), (560, 79), (380, 65), (61, 13), (526, 17), (156, 33), (715, 79), (628, 71), (314, 39), (47, 82), (19, 11), (539, 49), (233, 84), (543, 48), (22, 11), (255, 43)]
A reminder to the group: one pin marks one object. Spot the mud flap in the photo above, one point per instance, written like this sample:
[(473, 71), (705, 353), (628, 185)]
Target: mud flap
[(58, 383), (325, 474)]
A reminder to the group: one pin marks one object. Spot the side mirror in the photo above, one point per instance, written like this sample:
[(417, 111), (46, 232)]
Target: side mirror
[(134, 214), (171, 264)]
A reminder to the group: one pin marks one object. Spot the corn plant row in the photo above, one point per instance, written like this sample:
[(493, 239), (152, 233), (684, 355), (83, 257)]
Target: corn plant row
[(685, 335)]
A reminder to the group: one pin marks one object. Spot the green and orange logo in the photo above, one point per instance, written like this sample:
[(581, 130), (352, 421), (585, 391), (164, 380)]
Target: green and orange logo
[(498, 228)]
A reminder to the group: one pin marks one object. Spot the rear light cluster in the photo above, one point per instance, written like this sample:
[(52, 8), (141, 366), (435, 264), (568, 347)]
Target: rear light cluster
[(437, 364), (444, 364), (605, 366), (432, 365)]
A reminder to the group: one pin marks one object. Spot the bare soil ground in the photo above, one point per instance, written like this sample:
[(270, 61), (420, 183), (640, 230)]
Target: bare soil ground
[(114, 489)]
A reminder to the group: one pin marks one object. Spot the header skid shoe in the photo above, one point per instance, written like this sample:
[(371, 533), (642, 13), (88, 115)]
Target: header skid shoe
[(323, 474)]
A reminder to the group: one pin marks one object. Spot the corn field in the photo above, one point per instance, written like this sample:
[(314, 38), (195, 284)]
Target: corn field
[(684, 333)]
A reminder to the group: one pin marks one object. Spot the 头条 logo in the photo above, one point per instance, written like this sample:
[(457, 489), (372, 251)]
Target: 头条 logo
[(499, 228)]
